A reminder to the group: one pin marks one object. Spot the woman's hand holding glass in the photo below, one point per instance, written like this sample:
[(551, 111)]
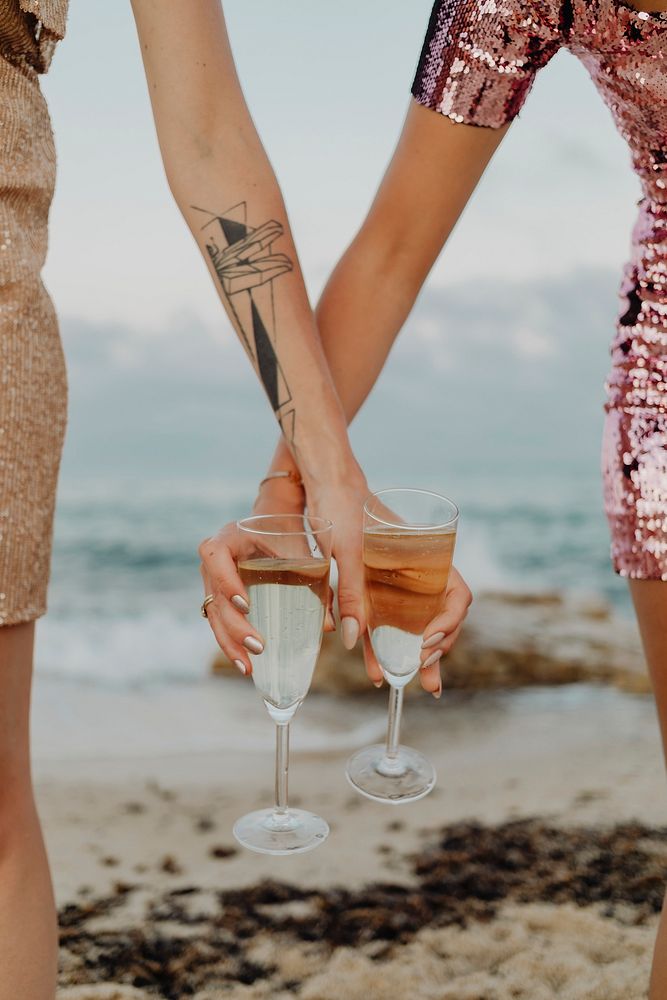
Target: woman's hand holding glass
[(220, 554), (341, 503)]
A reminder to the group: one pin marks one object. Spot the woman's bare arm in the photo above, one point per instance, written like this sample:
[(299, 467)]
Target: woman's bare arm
[(434, 171), (370, 294), (225, 187), (223, 184)]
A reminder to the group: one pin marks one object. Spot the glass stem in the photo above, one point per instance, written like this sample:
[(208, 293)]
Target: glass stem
[(394, 723), (282, 767)]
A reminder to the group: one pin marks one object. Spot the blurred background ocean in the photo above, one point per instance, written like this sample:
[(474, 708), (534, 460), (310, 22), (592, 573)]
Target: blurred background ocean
[(493, 394)]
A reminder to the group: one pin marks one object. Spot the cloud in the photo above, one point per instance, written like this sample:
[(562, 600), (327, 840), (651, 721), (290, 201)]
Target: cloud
[(533, 344), (491, 369)]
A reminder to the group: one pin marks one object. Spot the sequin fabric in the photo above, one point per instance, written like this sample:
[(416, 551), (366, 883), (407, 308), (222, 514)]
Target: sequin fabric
[(33, 390), (478, 63)]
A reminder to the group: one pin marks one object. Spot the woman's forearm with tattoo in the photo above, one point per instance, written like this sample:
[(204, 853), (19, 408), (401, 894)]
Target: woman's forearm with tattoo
[(225, 187)]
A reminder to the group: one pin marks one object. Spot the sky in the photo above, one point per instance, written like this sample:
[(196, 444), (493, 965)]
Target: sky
[(328, 86), (499, 373)]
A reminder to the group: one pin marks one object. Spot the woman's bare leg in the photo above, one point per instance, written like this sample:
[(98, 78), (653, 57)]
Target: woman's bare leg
[(650, 600), (28, 930)]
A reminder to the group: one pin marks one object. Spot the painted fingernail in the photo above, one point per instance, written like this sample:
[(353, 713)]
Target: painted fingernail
[(240, 603), (350, 631), (253, 645), (433, 639), (433, 658), (438, 693), (241, 666)]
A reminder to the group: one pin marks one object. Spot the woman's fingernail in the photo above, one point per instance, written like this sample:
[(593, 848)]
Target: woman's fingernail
[(433, 658), (241, 666), (431, 641), (253, 645), (330, 620), (350, 630), (240, 603), (377, 684), (438, 693)]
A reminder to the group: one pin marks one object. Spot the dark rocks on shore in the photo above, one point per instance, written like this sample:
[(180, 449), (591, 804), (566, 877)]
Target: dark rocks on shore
[(512, 640)]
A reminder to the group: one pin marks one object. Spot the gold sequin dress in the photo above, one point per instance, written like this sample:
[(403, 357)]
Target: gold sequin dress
[(33, 388)]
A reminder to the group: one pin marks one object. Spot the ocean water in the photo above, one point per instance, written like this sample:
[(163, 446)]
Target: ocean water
[(125, 591), (494, 399)]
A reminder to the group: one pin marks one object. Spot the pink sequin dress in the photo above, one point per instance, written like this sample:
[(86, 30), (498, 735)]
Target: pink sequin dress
[(478, 63)]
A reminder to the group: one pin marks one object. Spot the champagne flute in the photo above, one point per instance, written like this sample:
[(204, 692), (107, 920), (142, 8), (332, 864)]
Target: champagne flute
[(408, 545), (284, 565)]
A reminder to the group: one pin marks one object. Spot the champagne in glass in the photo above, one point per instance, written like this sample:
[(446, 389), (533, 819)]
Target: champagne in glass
[(285, 568), (406, 575), (288, 598), (408, 546)]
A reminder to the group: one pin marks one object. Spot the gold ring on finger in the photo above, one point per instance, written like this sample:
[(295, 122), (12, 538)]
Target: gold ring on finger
[(205, 603)]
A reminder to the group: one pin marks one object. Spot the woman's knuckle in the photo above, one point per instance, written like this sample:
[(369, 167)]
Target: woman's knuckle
[(213, 611), (347, 595), (223, 638), (204, 549), (221, 582), (218, 633), (462, 616), (236, 624)]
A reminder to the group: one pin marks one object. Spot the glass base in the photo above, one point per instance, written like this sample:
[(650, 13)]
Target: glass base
[(406, 778), (293, 832)]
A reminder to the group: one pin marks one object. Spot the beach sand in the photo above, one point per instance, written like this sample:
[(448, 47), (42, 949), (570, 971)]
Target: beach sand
[(534, 870)]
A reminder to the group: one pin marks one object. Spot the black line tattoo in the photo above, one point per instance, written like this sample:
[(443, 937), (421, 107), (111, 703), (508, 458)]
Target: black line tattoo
[(246, 266)]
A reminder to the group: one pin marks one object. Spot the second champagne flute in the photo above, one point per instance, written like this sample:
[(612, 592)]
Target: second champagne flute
[(408, 546)]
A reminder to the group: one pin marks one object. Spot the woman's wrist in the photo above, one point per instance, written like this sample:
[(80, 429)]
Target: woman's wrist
[(332, 478), (333, 469), (321, 448), (280, 495), (288, 474)]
